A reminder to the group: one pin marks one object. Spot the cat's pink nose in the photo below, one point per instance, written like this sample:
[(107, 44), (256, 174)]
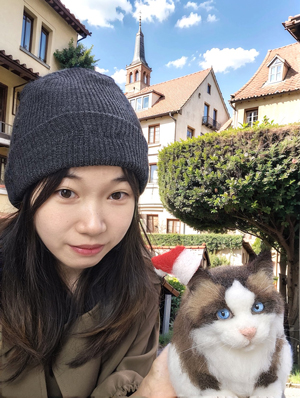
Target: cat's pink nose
[(249, 333)]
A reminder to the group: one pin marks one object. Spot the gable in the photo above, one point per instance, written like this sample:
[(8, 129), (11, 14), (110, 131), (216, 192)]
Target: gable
[(258, 85)]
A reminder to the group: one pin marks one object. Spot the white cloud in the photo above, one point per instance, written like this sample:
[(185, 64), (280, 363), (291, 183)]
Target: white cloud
[(153, 9), (101, 70), (178, 63), (207, 5), (211, 18), (119, 76), (192, 60), (192, 5), (99, 12), (186, 22), (227, 58)]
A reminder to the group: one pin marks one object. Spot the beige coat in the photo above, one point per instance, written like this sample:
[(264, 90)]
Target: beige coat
[(113, 376)]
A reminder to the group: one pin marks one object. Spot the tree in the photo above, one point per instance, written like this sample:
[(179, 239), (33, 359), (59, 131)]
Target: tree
[(75, 56), (247, 179)]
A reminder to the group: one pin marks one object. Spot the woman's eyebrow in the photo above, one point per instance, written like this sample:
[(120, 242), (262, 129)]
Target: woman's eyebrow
[(120, 179), (73, 176)]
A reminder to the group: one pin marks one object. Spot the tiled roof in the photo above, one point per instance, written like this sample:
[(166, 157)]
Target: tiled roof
[(14, 65), (293, 26), (226, 125), (175, 93), (70, 18), (256, 85)]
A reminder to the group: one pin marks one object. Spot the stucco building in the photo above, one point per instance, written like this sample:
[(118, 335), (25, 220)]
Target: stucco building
[(171, 111), (274, 90), (30, 32)]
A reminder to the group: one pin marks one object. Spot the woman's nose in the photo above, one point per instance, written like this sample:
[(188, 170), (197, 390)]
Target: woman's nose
[(91, 221)]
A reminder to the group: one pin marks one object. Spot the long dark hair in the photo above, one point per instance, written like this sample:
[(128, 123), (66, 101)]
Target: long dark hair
[(37, 310)]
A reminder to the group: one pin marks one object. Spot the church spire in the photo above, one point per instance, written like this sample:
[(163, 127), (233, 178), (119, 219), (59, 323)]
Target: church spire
[(138, 72), (139, 49)]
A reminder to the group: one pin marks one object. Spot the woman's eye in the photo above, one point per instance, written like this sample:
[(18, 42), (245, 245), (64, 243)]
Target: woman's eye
[(258, 307), (65, 193), (224, 314), (117, 195)]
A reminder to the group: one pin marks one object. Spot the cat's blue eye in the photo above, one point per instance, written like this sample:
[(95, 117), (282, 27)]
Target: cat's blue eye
[(223, 314), (258, 307)]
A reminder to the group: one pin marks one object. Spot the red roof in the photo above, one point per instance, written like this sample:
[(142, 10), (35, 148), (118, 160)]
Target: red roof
[(256, 86), (70, 18), (15, 66), (174, 94)]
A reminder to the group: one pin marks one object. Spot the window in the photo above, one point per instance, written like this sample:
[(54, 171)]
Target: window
[(3, 99), (137, 76), (251, 116), (276, 73), (206, 110), (190, 132), (206, 113), (3, 161), (209, 89), (146, 102), (26, 32), (173, 226), (153, 173), (139, 104), (154, 134), (43, 45), (130, 78), (145, 78), (215, 113), (152, 223)]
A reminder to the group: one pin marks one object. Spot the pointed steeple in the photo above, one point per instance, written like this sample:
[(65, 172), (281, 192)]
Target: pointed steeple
[(138, 72), (139, 49)]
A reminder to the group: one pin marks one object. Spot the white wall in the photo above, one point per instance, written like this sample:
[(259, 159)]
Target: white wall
[(283, 109)]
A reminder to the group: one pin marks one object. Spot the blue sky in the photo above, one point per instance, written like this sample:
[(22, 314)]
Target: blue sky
[(183, 37)]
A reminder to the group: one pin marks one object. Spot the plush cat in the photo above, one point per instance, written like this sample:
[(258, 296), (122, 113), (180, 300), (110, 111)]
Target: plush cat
[(228, 337)]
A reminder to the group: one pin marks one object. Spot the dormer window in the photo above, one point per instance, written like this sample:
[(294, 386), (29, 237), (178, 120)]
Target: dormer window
[(140, 103), (278, 68), (276, 72)]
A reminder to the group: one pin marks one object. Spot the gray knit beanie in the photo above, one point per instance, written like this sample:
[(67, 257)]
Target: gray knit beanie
[(71, 118)]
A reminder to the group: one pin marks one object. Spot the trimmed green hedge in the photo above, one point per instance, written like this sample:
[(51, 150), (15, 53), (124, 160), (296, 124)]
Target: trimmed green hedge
[(213, 242)]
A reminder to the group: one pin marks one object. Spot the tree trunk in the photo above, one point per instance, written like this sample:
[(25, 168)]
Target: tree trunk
[(293, 304), (282, 275)]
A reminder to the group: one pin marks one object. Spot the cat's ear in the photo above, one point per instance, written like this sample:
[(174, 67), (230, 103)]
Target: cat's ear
[(180, 262), (200, 276), (263, 262)]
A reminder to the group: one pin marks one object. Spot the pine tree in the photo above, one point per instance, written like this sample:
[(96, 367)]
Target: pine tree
[(75, 56)]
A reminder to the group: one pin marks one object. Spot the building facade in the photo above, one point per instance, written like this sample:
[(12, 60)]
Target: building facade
[(274, 90), (175, 110), (30, 32)]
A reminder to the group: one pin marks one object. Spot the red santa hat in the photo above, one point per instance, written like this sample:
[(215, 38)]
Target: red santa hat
[(180, 262)]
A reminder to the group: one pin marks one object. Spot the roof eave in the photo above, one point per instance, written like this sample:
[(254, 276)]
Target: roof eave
[(70, 18), (262, 95), (167, 113), (16, 67)]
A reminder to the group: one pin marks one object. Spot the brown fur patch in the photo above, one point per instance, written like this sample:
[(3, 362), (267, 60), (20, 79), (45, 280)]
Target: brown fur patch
[(193, 364), (262, 286), (203, 302), (269, 377)]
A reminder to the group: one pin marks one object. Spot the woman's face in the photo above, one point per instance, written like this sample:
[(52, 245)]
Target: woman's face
[(88, 214)]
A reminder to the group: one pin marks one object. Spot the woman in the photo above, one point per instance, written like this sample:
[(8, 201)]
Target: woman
[(79, 304)]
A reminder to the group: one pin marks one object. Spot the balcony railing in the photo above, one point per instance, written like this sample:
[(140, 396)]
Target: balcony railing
[(5, 128), (211, 123)]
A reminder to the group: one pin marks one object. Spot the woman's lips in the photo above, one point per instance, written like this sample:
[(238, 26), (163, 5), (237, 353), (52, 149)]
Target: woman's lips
[(87, 250)]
